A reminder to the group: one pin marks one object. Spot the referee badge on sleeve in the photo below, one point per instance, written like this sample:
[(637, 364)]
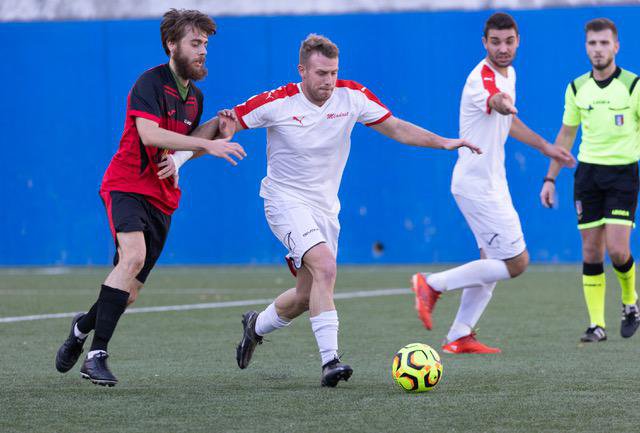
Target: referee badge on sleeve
[(619, 119)]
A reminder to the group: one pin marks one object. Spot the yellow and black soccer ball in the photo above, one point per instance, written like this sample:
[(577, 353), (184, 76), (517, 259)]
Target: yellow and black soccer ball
[(417, 368)]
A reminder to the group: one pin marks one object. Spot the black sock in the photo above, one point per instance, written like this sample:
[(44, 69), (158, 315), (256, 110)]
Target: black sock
[(623, 269), (592, 268), (88, 322), (111, 304)]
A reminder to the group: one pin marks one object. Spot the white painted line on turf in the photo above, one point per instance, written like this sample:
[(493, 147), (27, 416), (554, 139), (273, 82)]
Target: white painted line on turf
[(210, 305)]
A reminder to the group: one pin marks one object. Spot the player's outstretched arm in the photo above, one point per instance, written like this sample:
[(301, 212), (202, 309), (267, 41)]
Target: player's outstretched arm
[(502, 103), (170, 164), (565, 139), (524, 134), (222, 126), (152, 135), (413, 135)]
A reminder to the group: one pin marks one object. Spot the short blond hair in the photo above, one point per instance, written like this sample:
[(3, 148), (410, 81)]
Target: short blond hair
[(317, 44)]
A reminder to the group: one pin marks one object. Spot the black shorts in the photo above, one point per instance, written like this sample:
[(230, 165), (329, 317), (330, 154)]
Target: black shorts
[(129, 212), (605, 194)]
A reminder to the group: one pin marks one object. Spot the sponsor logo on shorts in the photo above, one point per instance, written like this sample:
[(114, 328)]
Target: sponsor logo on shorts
[(619, 119), (579, 209), (620, 212), (308, 232)]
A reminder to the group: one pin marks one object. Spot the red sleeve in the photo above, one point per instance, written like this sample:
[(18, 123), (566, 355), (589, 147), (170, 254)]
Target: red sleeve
[(489, 83)]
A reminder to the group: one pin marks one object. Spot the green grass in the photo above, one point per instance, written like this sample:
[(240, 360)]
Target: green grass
[(177, 370)]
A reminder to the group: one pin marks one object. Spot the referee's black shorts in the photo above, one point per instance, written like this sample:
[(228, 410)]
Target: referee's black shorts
[(605, 194), (130, 212)]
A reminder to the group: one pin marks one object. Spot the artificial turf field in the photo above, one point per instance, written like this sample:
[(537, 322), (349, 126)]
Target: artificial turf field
[(177, 369)]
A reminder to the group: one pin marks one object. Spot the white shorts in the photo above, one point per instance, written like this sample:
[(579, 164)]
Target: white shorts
[(300, 227), (495, 225)]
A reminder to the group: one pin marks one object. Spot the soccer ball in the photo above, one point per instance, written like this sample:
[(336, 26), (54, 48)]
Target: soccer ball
[(416, 368)]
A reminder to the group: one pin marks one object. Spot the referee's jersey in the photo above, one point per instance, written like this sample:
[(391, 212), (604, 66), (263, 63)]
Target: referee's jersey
[(609, 112)]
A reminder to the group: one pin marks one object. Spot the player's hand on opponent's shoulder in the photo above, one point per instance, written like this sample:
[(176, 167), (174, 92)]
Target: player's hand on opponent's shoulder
[(456, 143), (225, 149), (168, 168), (503, 103), (561, 155), (548, 194)]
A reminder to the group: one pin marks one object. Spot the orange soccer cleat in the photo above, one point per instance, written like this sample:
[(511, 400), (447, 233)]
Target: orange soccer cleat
[(468, 344), (426, 298)]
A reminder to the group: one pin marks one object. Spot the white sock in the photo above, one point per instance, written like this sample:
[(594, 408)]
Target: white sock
[(93, 353), (77, 332), (472, 274), (472, 304), (325, 328), (269, 321)]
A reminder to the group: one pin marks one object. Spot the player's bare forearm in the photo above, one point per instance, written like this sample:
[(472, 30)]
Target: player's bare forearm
[(565, 139), (152, 135), (408, 133), (207, 130), (413, 135), (526, 135)]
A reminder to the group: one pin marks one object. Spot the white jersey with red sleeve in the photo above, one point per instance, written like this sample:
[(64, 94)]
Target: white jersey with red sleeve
[(308, 145), (479, 176)]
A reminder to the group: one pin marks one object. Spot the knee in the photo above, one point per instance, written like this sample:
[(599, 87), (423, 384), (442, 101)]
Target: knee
[(619, 256), (519, 265), (132, 263), (325, 271)]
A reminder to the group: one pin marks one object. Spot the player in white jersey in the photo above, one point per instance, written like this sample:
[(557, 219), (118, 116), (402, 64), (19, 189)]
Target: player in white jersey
[(479, 185), (309, 128)]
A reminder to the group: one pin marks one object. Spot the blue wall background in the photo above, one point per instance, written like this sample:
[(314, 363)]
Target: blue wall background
[(62, 112)]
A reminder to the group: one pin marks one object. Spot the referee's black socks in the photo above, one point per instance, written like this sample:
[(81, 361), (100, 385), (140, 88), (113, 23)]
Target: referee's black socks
[(110, 305)]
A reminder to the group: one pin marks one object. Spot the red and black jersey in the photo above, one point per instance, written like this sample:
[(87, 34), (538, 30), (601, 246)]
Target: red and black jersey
[(134, 167)]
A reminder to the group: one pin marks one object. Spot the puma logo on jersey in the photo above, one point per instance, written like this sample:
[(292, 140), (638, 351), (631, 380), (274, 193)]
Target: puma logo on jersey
[(171, 113), (298, 119)]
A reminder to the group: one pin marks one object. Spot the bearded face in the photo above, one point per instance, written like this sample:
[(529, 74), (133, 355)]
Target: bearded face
[(188, 65), (189, 54)]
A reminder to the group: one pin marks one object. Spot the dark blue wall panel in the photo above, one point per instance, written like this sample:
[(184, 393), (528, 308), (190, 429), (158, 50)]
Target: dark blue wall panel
[(63, 110)]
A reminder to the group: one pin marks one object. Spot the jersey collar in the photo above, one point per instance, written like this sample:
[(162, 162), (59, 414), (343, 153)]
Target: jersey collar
[(604, 83), (311, 104)]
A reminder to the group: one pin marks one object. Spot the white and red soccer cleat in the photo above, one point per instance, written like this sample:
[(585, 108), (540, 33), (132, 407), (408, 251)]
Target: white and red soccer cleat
[(469, 344), (426, 298)]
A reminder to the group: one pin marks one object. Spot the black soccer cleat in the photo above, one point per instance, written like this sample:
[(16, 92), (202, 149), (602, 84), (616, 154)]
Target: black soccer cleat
[(97, 371), (71, 349), (335, 371), (249, 341), (594, 334), (630, 320)]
